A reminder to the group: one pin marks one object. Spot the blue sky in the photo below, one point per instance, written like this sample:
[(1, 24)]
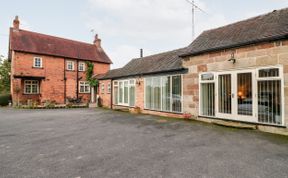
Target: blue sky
[(125, 26)]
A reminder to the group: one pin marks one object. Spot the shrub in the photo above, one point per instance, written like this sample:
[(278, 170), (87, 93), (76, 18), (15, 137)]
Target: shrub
[(5, 99)]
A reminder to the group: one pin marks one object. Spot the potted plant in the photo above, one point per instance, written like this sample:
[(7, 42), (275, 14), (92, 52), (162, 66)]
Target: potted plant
[(187, 115)]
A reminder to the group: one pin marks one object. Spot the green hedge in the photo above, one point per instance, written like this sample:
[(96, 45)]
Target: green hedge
[(5, 99)]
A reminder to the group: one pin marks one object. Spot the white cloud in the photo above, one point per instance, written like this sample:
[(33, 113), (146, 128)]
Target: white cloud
[(154, 25)]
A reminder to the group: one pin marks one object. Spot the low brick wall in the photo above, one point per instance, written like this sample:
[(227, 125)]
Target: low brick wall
[(263, 128), (156, 113), (163, 114)]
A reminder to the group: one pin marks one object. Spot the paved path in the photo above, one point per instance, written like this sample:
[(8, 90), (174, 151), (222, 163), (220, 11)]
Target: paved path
[(102, 143)]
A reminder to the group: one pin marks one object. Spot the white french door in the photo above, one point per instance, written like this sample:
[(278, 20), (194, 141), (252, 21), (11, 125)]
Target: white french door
[(235, 95), (123, 93)]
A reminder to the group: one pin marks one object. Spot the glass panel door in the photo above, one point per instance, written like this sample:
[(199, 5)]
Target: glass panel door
[(253, 95), (236, 98), (224, 94), (244, 94), (246, 103)]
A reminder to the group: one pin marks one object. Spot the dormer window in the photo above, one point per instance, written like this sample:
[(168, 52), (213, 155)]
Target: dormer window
[(37, 63), (81, 67), (70, 65)]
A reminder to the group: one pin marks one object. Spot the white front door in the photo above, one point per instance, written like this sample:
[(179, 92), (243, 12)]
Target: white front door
[(235, 97), (92, 94)]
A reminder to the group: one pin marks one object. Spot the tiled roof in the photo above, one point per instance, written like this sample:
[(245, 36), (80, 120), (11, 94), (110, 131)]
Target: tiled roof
[(110, 74), (31, 42), (158, 63), (263, 28)]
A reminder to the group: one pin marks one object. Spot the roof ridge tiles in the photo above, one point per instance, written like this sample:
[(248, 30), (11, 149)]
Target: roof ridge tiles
[(58, 37)]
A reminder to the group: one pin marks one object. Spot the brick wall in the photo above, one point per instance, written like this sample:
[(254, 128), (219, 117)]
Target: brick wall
[(139, 101), (105, 96), (53, 86), (266, 54)]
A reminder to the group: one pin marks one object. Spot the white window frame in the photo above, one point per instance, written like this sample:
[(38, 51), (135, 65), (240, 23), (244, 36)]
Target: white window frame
[(171, 97), (84, 84), (255, 79), (281, 78), (131, 82), (68, 63), (81, 67), (30, 83), (200, 89), (109, 88), (102, 88), (35, 61)]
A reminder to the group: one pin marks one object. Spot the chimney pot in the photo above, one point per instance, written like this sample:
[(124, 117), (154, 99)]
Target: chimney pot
[(16, 22), (97, 41), (141, 53)]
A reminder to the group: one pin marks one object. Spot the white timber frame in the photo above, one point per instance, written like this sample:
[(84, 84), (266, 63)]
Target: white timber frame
[(171, 98), (234, 94)]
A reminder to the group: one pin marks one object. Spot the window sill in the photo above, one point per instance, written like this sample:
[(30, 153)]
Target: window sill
[(70, 70), (84, 92), (37, 67)]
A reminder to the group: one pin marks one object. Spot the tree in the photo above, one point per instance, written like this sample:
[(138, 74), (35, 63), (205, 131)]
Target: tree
[(5, 71)]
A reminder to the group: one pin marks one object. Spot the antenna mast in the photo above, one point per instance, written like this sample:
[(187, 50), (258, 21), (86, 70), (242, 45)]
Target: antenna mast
[(194, 6), (193, 20)]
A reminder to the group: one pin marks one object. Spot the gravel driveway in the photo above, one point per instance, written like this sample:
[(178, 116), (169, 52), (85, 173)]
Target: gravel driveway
[(103, 143)]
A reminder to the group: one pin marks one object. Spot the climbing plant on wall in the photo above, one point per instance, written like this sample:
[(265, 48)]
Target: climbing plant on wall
[(89, 75)]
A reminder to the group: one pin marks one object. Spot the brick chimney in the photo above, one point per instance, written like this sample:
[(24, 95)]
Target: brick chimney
[(97, 41), (16, 23)]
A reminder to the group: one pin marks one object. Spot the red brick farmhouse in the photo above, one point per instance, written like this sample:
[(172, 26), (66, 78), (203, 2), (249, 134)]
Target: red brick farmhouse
[(47, 68)]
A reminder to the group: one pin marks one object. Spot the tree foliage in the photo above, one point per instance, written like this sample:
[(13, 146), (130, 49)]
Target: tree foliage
[(89, 75), (5, 70)]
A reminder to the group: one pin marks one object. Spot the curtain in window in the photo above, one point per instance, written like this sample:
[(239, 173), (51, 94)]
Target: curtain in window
[(116, 95), (121, 92), (166, 97), (148, 93), (126, 92), (176, 94), (208, 99), (132, 95), (157, 93)]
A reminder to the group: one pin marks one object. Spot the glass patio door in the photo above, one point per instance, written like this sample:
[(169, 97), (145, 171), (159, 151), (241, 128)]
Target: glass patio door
[(235, 96), (224, 95)]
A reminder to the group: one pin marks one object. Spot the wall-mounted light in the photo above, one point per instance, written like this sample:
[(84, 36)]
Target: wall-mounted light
[(138, 81), (232, 59)]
